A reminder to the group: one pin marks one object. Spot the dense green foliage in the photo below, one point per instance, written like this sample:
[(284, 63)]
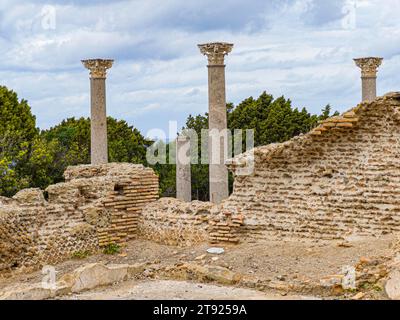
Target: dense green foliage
[(18, 140), (30, 158), (166, 172), (272, 121), (70, 141)]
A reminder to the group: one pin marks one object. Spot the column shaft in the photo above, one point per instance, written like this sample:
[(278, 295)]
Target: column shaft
[(98, 115), (217, 119), (368, 88), (98, 123), (183, 174)]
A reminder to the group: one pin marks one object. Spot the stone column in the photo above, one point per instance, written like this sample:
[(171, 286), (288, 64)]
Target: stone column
[(369, 68), (217, 118), (183, 175), (98, 118)]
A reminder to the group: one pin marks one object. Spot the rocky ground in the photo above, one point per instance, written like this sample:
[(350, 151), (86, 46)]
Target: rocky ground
[(263, 270), (176, 290)]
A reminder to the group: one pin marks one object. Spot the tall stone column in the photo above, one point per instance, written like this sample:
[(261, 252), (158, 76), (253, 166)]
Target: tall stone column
[(98, 119), (369, 68), (217, 118), (183, 175)]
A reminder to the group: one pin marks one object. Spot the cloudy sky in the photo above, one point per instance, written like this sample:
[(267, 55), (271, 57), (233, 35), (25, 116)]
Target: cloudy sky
[(302, 49)]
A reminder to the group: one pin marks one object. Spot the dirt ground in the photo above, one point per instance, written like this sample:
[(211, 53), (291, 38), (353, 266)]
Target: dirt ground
[(283, 261)]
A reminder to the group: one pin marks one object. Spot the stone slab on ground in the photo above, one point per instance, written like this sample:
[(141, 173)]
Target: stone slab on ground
[(93, 275), (392, 287), (176, 290)]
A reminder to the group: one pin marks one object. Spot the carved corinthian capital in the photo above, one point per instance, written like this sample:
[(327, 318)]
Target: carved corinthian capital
[(215, 52), (98, 67), (369, 66)]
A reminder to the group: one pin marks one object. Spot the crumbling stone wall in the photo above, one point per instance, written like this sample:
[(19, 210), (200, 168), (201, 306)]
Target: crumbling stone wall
[(339, 180), (175, 222), (95, 206)]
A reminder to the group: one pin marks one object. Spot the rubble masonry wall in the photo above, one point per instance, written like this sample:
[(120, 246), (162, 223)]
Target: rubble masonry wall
[(95, 206), (341, 179)]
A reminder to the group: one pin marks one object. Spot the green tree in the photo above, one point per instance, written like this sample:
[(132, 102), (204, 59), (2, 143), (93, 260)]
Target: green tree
[(17, 134), (69, 144), (273, 120), (9, 182), (199, 172), (167, 171), (29, 158), (326, 113)]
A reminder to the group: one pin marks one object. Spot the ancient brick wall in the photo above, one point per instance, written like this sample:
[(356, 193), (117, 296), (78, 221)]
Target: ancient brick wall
[(339, 180), (175, 222), (95, 206)]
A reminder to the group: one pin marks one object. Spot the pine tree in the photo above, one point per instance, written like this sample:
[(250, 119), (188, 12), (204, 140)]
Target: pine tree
[(17, 134)]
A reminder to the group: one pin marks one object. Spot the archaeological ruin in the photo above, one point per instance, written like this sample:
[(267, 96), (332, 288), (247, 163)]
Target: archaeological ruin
[(369, 68), (338, 182), (98, 114), (217, 120), (95, 206)]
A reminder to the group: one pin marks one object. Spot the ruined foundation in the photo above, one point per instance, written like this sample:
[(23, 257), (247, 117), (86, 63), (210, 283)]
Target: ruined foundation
[(95, 206)]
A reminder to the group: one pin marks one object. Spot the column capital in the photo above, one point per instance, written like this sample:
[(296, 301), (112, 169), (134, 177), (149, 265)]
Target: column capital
[(98, 67), (369, 66), (215, 52)]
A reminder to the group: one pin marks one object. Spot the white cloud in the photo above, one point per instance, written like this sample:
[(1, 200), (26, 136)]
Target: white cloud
[(294, 48)]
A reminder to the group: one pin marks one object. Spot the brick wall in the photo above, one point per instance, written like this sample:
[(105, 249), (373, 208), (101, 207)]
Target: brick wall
[(339, 180), (95, 206), (175, 222)]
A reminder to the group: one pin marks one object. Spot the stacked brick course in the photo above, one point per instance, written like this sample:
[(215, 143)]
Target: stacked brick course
[(126, 203), (225, 228)]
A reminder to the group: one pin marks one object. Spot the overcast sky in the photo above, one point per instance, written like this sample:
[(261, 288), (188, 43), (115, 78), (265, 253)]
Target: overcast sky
[(302, 49)]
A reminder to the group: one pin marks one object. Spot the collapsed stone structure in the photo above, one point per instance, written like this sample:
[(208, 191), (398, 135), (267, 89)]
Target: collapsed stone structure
[(95, 206), (340, 179), (337, 181)]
